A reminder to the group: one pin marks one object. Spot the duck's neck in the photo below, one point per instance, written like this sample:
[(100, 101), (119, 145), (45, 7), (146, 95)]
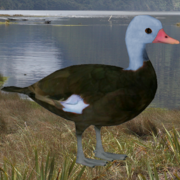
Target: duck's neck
[(137, 55)]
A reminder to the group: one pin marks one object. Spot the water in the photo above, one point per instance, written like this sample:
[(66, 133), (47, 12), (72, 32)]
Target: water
[(31, 49)]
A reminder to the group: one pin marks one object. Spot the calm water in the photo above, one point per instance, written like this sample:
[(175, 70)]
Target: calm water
[(37, 49)]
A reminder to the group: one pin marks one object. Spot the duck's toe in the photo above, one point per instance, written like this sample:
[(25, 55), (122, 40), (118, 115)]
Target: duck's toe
[(110, 156), (91, 162)]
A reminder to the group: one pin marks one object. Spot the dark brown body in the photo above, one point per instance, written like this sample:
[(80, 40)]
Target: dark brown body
[(114, 95)]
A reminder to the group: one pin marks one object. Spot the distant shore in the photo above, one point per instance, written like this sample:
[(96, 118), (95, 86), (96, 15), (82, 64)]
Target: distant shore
[(18, 15), (81, 13)]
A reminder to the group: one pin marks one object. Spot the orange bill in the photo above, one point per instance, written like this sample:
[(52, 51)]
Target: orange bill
[(162, 37)]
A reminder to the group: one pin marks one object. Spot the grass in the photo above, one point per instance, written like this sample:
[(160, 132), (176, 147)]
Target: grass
[(7, 15), (2, 79), (7, 23), (38, 145)]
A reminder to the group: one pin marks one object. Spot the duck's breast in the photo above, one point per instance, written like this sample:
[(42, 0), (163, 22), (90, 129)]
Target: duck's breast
[(136, 91)]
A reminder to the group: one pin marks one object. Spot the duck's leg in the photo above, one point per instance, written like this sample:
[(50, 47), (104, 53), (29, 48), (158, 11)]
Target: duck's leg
[(99, 152), (81, 159)]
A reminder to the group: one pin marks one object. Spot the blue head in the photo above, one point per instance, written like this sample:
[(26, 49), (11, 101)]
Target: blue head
[(142, 30)]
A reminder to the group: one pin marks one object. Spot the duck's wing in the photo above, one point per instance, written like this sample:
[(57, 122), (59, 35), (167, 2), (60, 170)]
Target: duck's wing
[(101, 86), (90, 82)]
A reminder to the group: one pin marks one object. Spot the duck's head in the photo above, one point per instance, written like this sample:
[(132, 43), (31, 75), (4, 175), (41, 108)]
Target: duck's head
[(146, 29)]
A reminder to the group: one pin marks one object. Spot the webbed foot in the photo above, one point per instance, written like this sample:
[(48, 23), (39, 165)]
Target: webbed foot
[(109, 156), (91, 162)]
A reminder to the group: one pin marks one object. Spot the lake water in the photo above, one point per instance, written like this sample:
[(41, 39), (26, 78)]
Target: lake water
[(31, 49)]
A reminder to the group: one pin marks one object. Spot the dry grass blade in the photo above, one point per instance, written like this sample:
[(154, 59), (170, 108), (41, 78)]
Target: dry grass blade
[(150, 172), (69, 170), (47, 163), (177, 177), (129, 171), (176, 141), (15, 174), (165, 175), (25, 174), (155, 173), (4, 175), (42, 171), (173, 142), (58, 174), (37, 165), (30, 176), (72, 166), (80, 173), (141, 177), (64, 174), (119, 144), (51, 169)]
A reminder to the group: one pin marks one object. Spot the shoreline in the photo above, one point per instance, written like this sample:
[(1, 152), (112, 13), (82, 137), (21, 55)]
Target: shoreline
[(81, 13)]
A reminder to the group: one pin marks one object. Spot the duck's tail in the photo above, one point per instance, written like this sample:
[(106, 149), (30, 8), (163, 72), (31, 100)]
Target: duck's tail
[(24, 90)]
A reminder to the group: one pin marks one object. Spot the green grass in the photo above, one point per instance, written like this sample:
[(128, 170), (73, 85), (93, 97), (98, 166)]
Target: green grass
[(7, 23), (36, 144), (2, 79), (148, 167), (42, 171)]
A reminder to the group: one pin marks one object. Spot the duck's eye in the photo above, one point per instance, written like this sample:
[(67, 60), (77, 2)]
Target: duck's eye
[(148, 30)]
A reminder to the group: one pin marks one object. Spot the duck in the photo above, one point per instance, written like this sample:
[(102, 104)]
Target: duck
[(103, 95)]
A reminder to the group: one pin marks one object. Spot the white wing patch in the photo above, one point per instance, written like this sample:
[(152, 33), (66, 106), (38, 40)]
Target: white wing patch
[(74, 104)]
